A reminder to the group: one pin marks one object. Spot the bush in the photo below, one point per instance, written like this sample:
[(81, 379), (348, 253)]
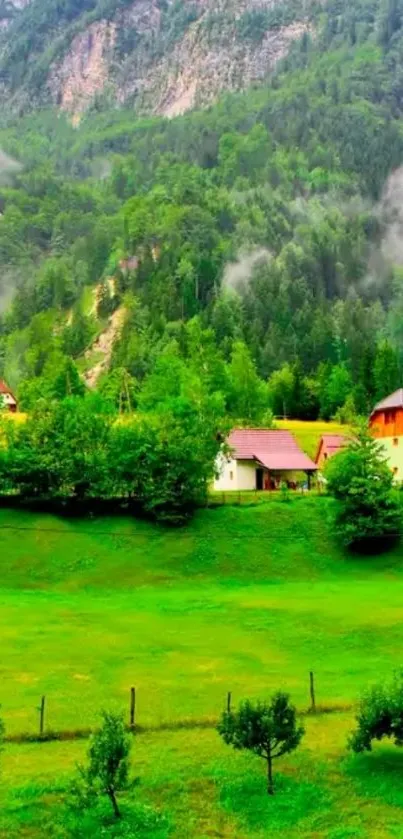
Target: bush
[(380, 715)]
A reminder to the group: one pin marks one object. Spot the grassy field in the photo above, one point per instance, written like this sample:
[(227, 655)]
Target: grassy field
[(246, 599)]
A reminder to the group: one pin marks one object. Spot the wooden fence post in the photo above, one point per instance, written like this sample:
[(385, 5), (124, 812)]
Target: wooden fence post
[(42, 717), (229, 695), (312, 691), (132, 708)]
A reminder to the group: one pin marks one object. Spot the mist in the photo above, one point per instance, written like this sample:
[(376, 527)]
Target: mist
[(8, 168), (238, 274), (389, 213), (10, 279)]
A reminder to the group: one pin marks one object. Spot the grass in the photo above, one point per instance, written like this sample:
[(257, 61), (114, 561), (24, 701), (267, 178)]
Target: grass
[(192, 785), (246, 599)]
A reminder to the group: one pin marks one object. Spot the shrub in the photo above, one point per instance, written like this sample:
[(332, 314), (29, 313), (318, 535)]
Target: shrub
[(380, 714)]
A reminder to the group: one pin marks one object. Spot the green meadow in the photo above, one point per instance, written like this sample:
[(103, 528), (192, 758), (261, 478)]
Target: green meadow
[(246, 599)]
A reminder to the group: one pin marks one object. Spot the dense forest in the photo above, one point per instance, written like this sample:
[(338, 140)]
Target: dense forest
[(257, 243)]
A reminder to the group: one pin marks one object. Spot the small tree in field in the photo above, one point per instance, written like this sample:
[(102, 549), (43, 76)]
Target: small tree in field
[(108, 759), (361, 481), (268, 730), (380, 714)]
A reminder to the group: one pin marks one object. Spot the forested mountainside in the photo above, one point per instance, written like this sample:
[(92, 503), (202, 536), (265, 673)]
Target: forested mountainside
[(161, 56), (254, 246)]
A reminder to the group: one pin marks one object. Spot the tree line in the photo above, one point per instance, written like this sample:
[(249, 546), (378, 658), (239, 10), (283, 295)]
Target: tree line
[(160, 462)]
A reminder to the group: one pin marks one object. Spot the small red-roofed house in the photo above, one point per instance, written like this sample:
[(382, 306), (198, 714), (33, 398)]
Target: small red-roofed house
[(7, 398), (260, 458), (329, 445)]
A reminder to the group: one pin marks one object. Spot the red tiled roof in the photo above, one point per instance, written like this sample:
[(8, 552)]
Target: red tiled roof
[(273, 449), (332, 443), (395, 400)]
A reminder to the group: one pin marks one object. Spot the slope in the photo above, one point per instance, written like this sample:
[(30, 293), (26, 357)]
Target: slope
[(299, 172), (162, 57)]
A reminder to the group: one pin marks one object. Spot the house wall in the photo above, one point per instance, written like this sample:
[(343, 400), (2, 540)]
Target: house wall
[(387, 423), (393, 450), (227, 474), (387, 427), (320, 460), (8, 401), (235, 475), (246, 474)]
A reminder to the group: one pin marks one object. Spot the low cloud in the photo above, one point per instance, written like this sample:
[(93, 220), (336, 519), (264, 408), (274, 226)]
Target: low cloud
[(389, 213), (8, 168), (238, 274)]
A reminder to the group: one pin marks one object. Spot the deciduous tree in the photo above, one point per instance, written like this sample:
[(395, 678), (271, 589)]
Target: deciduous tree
[(270, 730), (108, 759)]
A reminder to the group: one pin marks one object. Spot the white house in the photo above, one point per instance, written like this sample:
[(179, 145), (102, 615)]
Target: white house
[(259, 459)]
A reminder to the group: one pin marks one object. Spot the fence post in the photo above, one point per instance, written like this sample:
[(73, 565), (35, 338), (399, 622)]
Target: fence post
[(229, 696), (312, 691), (132, 708), (42, 717)]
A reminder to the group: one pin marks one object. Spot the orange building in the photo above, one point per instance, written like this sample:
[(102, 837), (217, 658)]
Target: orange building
[(329, 445), (386, 424)]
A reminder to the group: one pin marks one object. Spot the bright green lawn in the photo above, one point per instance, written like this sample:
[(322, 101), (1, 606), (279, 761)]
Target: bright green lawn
[(245, 599)]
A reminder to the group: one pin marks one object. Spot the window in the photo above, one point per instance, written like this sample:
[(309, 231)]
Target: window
[(391, 416), (395, 441), (231, 476)]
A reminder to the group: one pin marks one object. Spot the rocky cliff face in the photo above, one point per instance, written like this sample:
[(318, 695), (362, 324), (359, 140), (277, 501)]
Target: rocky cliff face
[(160, 56)]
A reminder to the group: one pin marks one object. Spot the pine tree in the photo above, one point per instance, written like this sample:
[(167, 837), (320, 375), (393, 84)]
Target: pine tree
[(368, 512)]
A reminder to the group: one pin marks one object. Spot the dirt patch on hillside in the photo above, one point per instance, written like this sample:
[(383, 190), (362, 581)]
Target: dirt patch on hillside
[(104, 344)]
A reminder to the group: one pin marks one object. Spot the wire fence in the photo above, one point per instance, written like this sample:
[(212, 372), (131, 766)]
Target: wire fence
[(255, 496), (45, 733)]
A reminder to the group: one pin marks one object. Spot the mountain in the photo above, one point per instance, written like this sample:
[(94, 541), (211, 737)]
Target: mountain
[(256, 243), (159, 56)]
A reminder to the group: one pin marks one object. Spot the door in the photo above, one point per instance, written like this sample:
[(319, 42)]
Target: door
[(259, 478)]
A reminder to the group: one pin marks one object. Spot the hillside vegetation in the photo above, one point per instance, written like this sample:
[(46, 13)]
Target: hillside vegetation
[(243, 599), (271, 218)]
